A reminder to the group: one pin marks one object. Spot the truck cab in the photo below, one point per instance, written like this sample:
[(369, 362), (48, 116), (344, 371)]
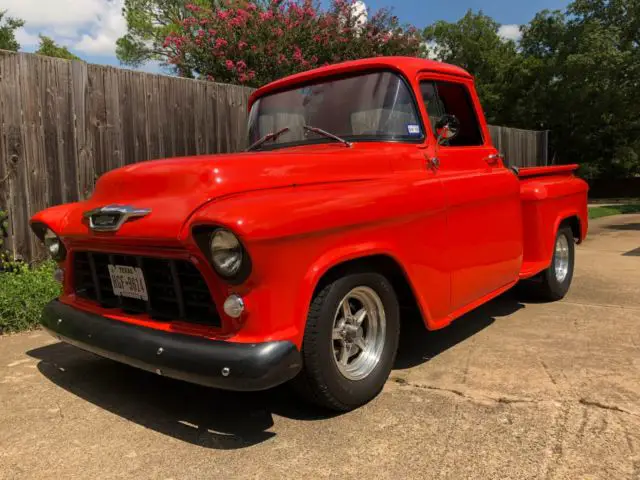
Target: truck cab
[(367, 186)]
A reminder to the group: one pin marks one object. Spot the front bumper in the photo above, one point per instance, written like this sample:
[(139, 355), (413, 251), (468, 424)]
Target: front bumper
[(248, 366)]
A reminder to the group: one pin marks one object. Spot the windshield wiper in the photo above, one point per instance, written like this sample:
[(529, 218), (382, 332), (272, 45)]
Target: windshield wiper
[(268, 137), (324, 133)]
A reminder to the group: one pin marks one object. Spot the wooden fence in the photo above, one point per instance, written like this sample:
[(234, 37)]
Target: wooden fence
[(65, 123), (521, 148)]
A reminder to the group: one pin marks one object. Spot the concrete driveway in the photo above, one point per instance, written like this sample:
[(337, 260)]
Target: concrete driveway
[(513, 390)]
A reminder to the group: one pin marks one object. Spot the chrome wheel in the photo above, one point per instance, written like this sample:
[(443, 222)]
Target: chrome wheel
[(561, 258), (358, 337)]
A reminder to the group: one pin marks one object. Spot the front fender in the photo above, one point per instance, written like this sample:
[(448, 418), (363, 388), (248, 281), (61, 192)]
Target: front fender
[(295, 235), (56, 218)]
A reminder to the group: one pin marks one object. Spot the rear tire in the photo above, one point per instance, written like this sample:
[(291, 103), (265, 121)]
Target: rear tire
[(553, 283), (347, 354)]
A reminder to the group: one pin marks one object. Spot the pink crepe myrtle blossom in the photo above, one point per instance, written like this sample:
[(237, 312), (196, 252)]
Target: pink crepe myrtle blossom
[(253, 42)]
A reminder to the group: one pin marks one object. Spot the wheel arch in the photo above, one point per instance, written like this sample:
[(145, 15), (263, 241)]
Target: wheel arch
[(377, 260), (573, 222)]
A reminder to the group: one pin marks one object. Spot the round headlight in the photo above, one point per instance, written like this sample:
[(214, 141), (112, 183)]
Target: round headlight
[(226, 253), (54, 245)]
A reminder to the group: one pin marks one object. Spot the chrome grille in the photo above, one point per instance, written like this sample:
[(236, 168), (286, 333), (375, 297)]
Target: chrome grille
[(175, 288)]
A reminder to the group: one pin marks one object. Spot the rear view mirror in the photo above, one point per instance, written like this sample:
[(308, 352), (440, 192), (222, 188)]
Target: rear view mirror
[(447, 128)]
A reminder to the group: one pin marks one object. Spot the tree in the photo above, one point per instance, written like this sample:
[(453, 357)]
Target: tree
[(8, 27), (49, 48), (149, 22), (255, 43), (582, 78), (574, 73), (474, 44)]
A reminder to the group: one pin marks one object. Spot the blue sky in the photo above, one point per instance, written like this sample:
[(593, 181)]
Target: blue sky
[(89, 28), (423, 12)]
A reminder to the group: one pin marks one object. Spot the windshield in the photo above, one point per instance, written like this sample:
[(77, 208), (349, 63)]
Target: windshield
[(368, 107)]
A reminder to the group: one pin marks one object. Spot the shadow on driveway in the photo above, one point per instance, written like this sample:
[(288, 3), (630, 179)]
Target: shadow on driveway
[(418, 345), (220, 419), (624, 226)]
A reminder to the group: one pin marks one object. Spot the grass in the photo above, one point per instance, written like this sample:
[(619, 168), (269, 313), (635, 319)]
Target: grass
[(599, 212), (23, 294)]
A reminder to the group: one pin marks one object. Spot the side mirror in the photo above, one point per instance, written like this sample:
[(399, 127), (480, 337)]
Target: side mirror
[(447, 128)]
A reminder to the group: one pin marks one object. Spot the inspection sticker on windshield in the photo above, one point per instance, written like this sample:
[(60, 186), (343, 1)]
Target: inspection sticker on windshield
[(413, 129)]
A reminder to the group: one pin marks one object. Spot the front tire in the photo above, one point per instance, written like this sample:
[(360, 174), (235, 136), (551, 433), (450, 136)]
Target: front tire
[(350, 341)]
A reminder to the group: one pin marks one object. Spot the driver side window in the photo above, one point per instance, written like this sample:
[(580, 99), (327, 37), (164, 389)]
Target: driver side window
[(449, 98)]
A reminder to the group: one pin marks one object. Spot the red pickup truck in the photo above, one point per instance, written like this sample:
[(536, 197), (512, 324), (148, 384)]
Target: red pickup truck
[(368, 186)]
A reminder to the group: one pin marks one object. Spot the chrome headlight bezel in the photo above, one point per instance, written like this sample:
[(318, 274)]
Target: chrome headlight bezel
[(49, 238), (53, 244), (225, 252)]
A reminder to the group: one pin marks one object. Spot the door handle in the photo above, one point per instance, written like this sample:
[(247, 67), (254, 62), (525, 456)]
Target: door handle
[(493, 158), (433, 163)]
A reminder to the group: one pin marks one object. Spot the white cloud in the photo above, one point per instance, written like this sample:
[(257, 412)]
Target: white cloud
[(112, 26), (88, 26), (26, 39), (510, 32), (43, 13), (359, 11)]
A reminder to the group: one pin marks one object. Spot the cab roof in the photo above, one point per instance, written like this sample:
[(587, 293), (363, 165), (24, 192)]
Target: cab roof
[(409, 66)]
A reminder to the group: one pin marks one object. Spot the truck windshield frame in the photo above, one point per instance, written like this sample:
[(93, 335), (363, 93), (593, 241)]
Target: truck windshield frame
[(370, 106)]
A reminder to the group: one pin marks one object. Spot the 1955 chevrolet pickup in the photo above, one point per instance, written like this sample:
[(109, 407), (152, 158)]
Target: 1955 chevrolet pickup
[(368, 186)]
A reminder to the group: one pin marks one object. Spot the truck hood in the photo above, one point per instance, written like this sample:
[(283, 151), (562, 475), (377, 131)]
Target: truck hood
[(174, 188)]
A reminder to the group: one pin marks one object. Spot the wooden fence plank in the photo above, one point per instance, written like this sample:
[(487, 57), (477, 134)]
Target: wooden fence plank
[(189, 105), (11, 142), (20, 198), (114, 128), (198, 114), (37, 178), (84, 130), (154, 132), (138, 111), (68, 155)]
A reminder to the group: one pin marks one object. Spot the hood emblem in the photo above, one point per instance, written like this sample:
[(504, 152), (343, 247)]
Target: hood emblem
[(111, 217)]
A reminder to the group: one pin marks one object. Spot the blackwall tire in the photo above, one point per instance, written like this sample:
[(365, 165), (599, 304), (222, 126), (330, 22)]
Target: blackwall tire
[(333, 334), (554, 283)]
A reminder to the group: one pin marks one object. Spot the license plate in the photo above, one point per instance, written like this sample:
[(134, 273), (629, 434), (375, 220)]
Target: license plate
[(128, 282)]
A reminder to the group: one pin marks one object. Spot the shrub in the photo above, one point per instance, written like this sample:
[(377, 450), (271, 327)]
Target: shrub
[(255, 42), (23, 293)]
